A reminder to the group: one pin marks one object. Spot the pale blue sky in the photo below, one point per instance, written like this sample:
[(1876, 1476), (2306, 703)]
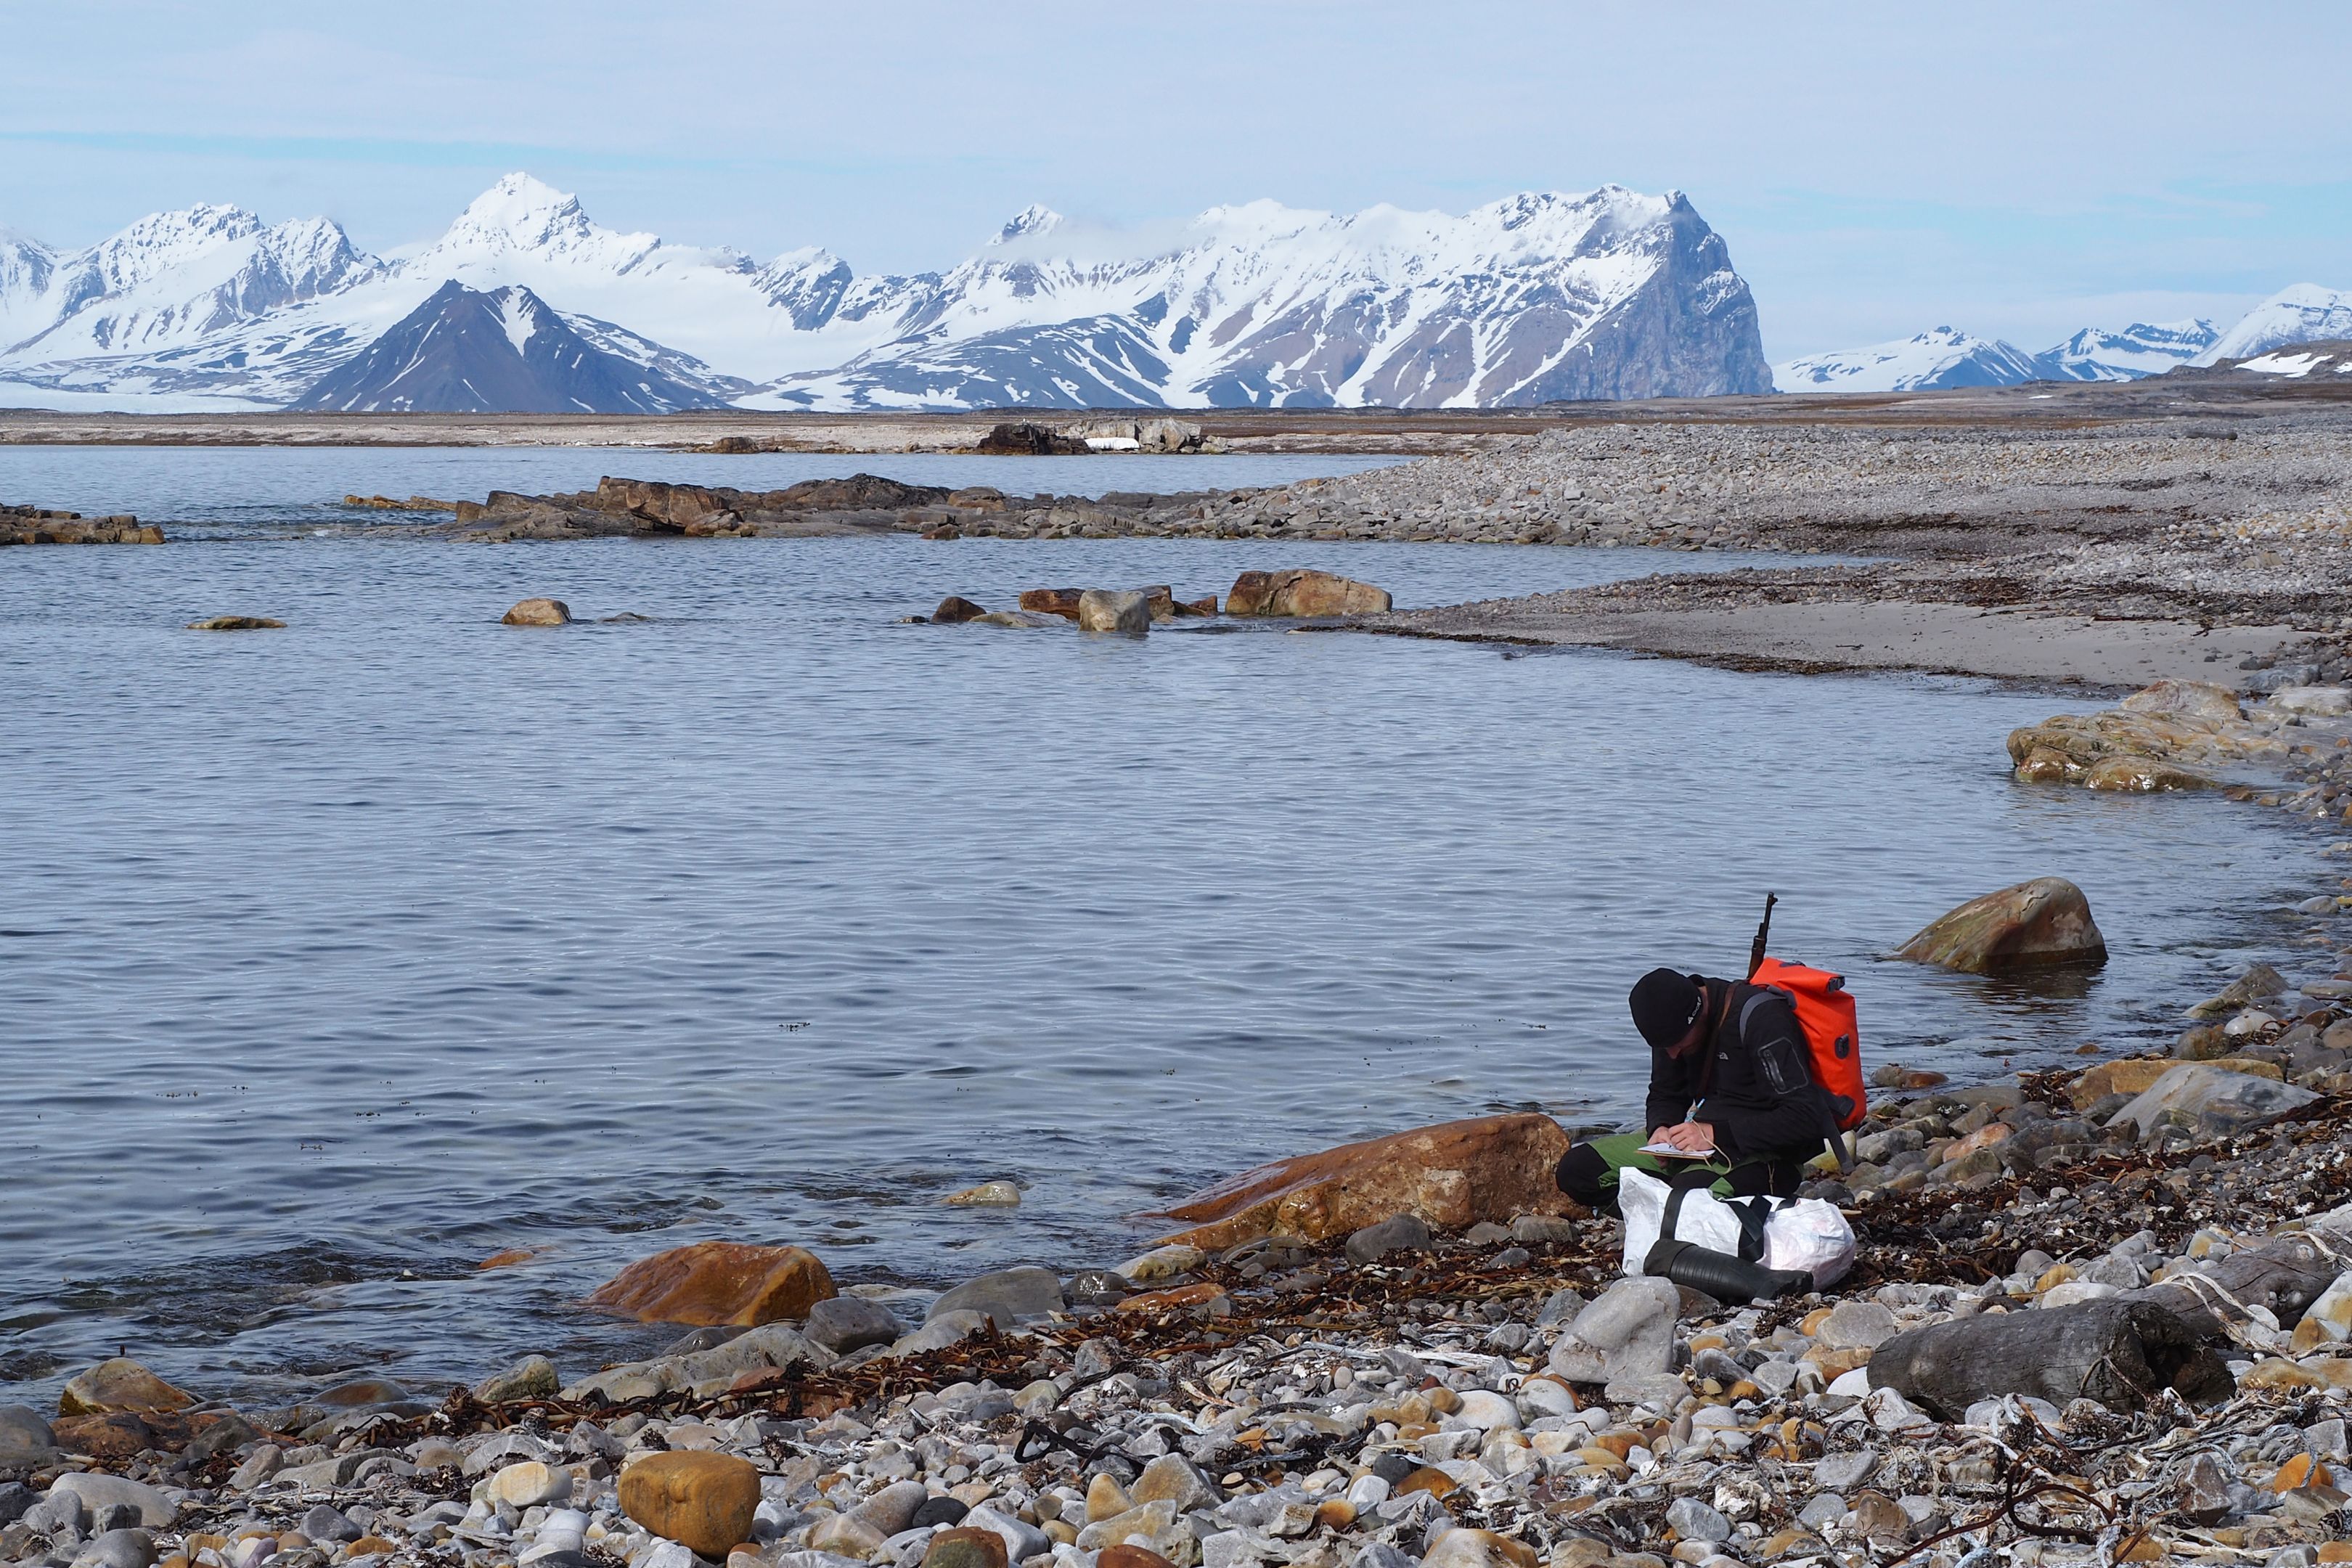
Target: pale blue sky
[(2016, 170)]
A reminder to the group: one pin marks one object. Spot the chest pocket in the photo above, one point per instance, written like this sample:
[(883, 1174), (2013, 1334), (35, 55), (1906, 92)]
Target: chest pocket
[(1782, 1065), (1781, 1060)]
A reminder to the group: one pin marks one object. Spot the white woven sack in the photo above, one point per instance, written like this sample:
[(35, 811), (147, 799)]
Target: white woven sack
[(1807, 1234)]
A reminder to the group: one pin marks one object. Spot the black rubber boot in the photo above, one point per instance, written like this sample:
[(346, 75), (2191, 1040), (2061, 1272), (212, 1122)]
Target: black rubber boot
[(1731, 1280)]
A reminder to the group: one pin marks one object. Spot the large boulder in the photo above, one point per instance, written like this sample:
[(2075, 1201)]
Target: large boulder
[(2159, 739), (1062, 602), (714, 1282), (2207, 1098), (705, 1501), (2196, 699), (2033, 925), (1299, 592), (1127, 612), (1007, 1297), (120, 1384), (1452, 1175), (1624, 1338)]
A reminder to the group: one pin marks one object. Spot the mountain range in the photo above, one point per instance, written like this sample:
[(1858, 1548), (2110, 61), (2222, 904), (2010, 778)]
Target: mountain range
[(1543, 296), (1945, 357), (1540, 296)]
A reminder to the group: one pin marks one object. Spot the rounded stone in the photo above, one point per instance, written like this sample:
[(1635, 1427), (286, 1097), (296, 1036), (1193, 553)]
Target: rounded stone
[(965, 1548), (530, 1483), (537, 613), (704, 1502)]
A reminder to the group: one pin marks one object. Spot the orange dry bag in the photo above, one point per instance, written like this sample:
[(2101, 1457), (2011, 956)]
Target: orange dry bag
[(1825, 1013)]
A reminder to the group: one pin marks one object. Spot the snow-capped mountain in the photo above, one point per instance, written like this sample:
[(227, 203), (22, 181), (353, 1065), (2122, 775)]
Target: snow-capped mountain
[(504, 351), (2299, 313), (1944, 357), (1545, 296), (1612, 294), (2141, 348)]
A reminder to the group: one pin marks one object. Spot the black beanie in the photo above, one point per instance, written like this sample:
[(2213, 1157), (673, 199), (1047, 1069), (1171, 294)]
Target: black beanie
[(1665, 1004)]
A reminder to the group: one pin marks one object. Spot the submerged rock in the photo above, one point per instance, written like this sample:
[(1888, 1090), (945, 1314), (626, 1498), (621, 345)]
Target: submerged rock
[(236, 624), (2033, 925)]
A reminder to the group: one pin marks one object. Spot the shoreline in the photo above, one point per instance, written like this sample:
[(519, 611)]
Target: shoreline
[(1325, 1405)]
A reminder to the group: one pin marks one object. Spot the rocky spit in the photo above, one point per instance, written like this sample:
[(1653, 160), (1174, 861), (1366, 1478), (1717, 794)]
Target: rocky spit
[(34, 525)]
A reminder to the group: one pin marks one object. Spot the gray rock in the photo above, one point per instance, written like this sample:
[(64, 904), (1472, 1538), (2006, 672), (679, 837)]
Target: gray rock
[(1821, 1510), (1124, 611), (892, 1509), (2210, 1100), (15, 1497), (1486, 1233), (1843, 1472), (1857, 1325), (226, 1435), (155, 1510), (1380, 1554), (846, 1323), (940, 1330), (2324, 1439), (25, 1436), (1694, 1521), (503, 1449), (1628, 1332), (121, 1548), (1560, 1306), (1511, 1257), (1398, 1233), (1021, 1540), (326, 1522), (1775, 1376), (1542, 1230), (59, 1513), (2206, 1494), (259, 1466), (1008, 1297), (533, 1377)]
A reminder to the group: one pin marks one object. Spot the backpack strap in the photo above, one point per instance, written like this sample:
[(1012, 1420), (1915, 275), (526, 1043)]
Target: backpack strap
[(1753, 1214)]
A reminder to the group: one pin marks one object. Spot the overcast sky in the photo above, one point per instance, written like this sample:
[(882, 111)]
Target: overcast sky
[(2015, 170)]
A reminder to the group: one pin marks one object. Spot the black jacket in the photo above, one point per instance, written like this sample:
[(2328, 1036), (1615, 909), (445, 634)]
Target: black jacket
[(1750, 1079)]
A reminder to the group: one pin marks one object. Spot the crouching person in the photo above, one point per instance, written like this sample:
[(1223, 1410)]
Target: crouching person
[(1730, 1085)]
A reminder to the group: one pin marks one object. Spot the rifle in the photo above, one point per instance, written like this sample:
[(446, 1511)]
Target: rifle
[(1763, 932)]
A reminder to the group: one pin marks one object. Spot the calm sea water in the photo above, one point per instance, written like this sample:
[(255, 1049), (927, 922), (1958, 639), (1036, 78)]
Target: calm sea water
[(335, 959)]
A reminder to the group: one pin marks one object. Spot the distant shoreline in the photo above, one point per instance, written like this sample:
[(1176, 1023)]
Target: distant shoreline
[(1417, 431)]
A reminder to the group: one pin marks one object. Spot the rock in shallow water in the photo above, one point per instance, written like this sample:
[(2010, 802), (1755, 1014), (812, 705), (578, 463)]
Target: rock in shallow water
[(537, 613), (120, 1384), (2033, 925), (718, 1282), (1007, 1297), (846, 1323), (1128, 613)]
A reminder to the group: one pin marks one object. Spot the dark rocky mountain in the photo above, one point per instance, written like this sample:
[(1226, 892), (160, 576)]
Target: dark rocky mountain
[(506, 351)]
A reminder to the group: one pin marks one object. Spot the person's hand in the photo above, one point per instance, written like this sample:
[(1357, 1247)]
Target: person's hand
[(1697, 1137)]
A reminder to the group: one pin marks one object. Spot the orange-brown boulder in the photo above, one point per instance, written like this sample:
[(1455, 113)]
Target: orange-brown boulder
[(703, 1501), (1128, 1555), (1452, 1175), (1299, 592), (714, 1282), (537, 613), (1062, 602)]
